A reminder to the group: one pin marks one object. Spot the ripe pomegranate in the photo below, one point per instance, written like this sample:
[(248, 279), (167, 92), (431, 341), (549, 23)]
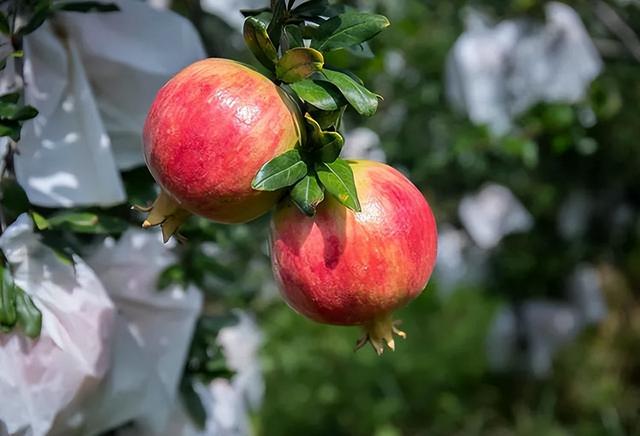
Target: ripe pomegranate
[(355, 268), (208, 132)]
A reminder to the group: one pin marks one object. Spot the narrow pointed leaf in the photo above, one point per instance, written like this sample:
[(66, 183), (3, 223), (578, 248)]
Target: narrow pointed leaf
[(258, 40), (10, 129), (87, 222), (279, 9), (14, 112), (320, 94), (280, 172), (7, 299), (347, 30), (41, 13), (298, 64), (28, 315), (337, 178), (12, 97), (307, 194), (363, 101)]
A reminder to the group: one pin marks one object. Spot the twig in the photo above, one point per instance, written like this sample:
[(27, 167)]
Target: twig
[(614, 22)]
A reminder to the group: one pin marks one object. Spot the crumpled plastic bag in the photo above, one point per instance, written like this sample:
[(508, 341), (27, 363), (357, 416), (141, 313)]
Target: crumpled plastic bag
[(93, 77), (93, 369), (226, 402), (156, 329), (492, 213), (495, 73), (44, 381)]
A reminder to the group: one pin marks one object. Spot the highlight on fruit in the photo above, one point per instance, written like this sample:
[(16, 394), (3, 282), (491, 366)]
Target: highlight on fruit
[(351, 241)]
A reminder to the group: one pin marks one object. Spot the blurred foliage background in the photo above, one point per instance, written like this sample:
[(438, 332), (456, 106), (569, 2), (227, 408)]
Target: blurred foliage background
[(439, 382)]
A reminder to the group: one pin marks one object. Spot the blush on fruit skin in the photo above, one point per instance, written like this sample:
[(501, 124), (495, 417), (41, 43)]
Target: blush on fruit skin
[(209, 131), (355, 268)]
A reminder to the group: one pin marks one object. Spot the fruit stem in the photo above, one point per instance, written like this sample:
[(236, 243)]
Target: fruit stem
[(165, 212), (379, 332)]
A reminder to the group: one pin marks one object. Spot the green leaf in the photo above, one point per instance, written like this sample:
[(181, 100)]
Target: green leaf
[(363, 101), (259, 42), (279, 9), (337, 178), (332, 143), (10, 129), (347, 30), (320, 94), (87, 222), (41, 222), (7, 298), (14, 112), (294, 36), (329, 119), (85, 6), (28, 315), (80, 219), (325, 145), (12, 97), (40, 13), (280, 172), (5, 27), (298, 64), (307, 194)]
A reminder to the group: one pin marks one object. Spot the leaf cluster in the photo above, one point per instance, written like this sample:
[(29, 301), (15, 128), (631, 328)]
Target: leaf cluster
[(291, 42)]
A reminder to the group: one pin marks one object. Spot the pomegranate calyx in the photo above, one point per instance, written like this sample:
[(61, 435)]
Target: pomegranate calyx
[(166, 213), (379, 332)]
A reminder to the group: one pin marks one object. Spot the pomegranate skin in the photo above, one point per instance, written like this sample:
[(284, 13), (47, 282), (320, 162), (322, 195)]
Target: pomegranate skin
[(355, 268), (208, 132)]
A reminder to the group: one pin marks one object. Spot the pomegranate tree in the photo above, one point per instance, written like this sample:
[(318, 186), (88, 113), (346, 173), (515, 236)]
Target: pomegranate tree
[(350, 241)]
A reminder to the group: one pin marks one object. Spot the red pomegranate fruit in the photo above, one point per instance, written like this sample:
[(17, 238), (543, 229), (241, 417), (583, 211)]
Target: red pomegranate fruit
[(355, 268), (208, 132)]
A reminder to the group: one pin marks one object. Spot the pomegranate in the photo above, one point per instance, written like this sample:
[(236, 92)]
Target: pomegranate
[(208, 132), (355, 268)]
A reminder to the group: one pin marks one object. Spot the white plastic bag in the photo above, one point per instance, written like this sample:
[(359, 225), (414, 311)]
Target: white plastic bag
[(495, 72), (93, 77), (157, 326), (44, 381), (492, 213)]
